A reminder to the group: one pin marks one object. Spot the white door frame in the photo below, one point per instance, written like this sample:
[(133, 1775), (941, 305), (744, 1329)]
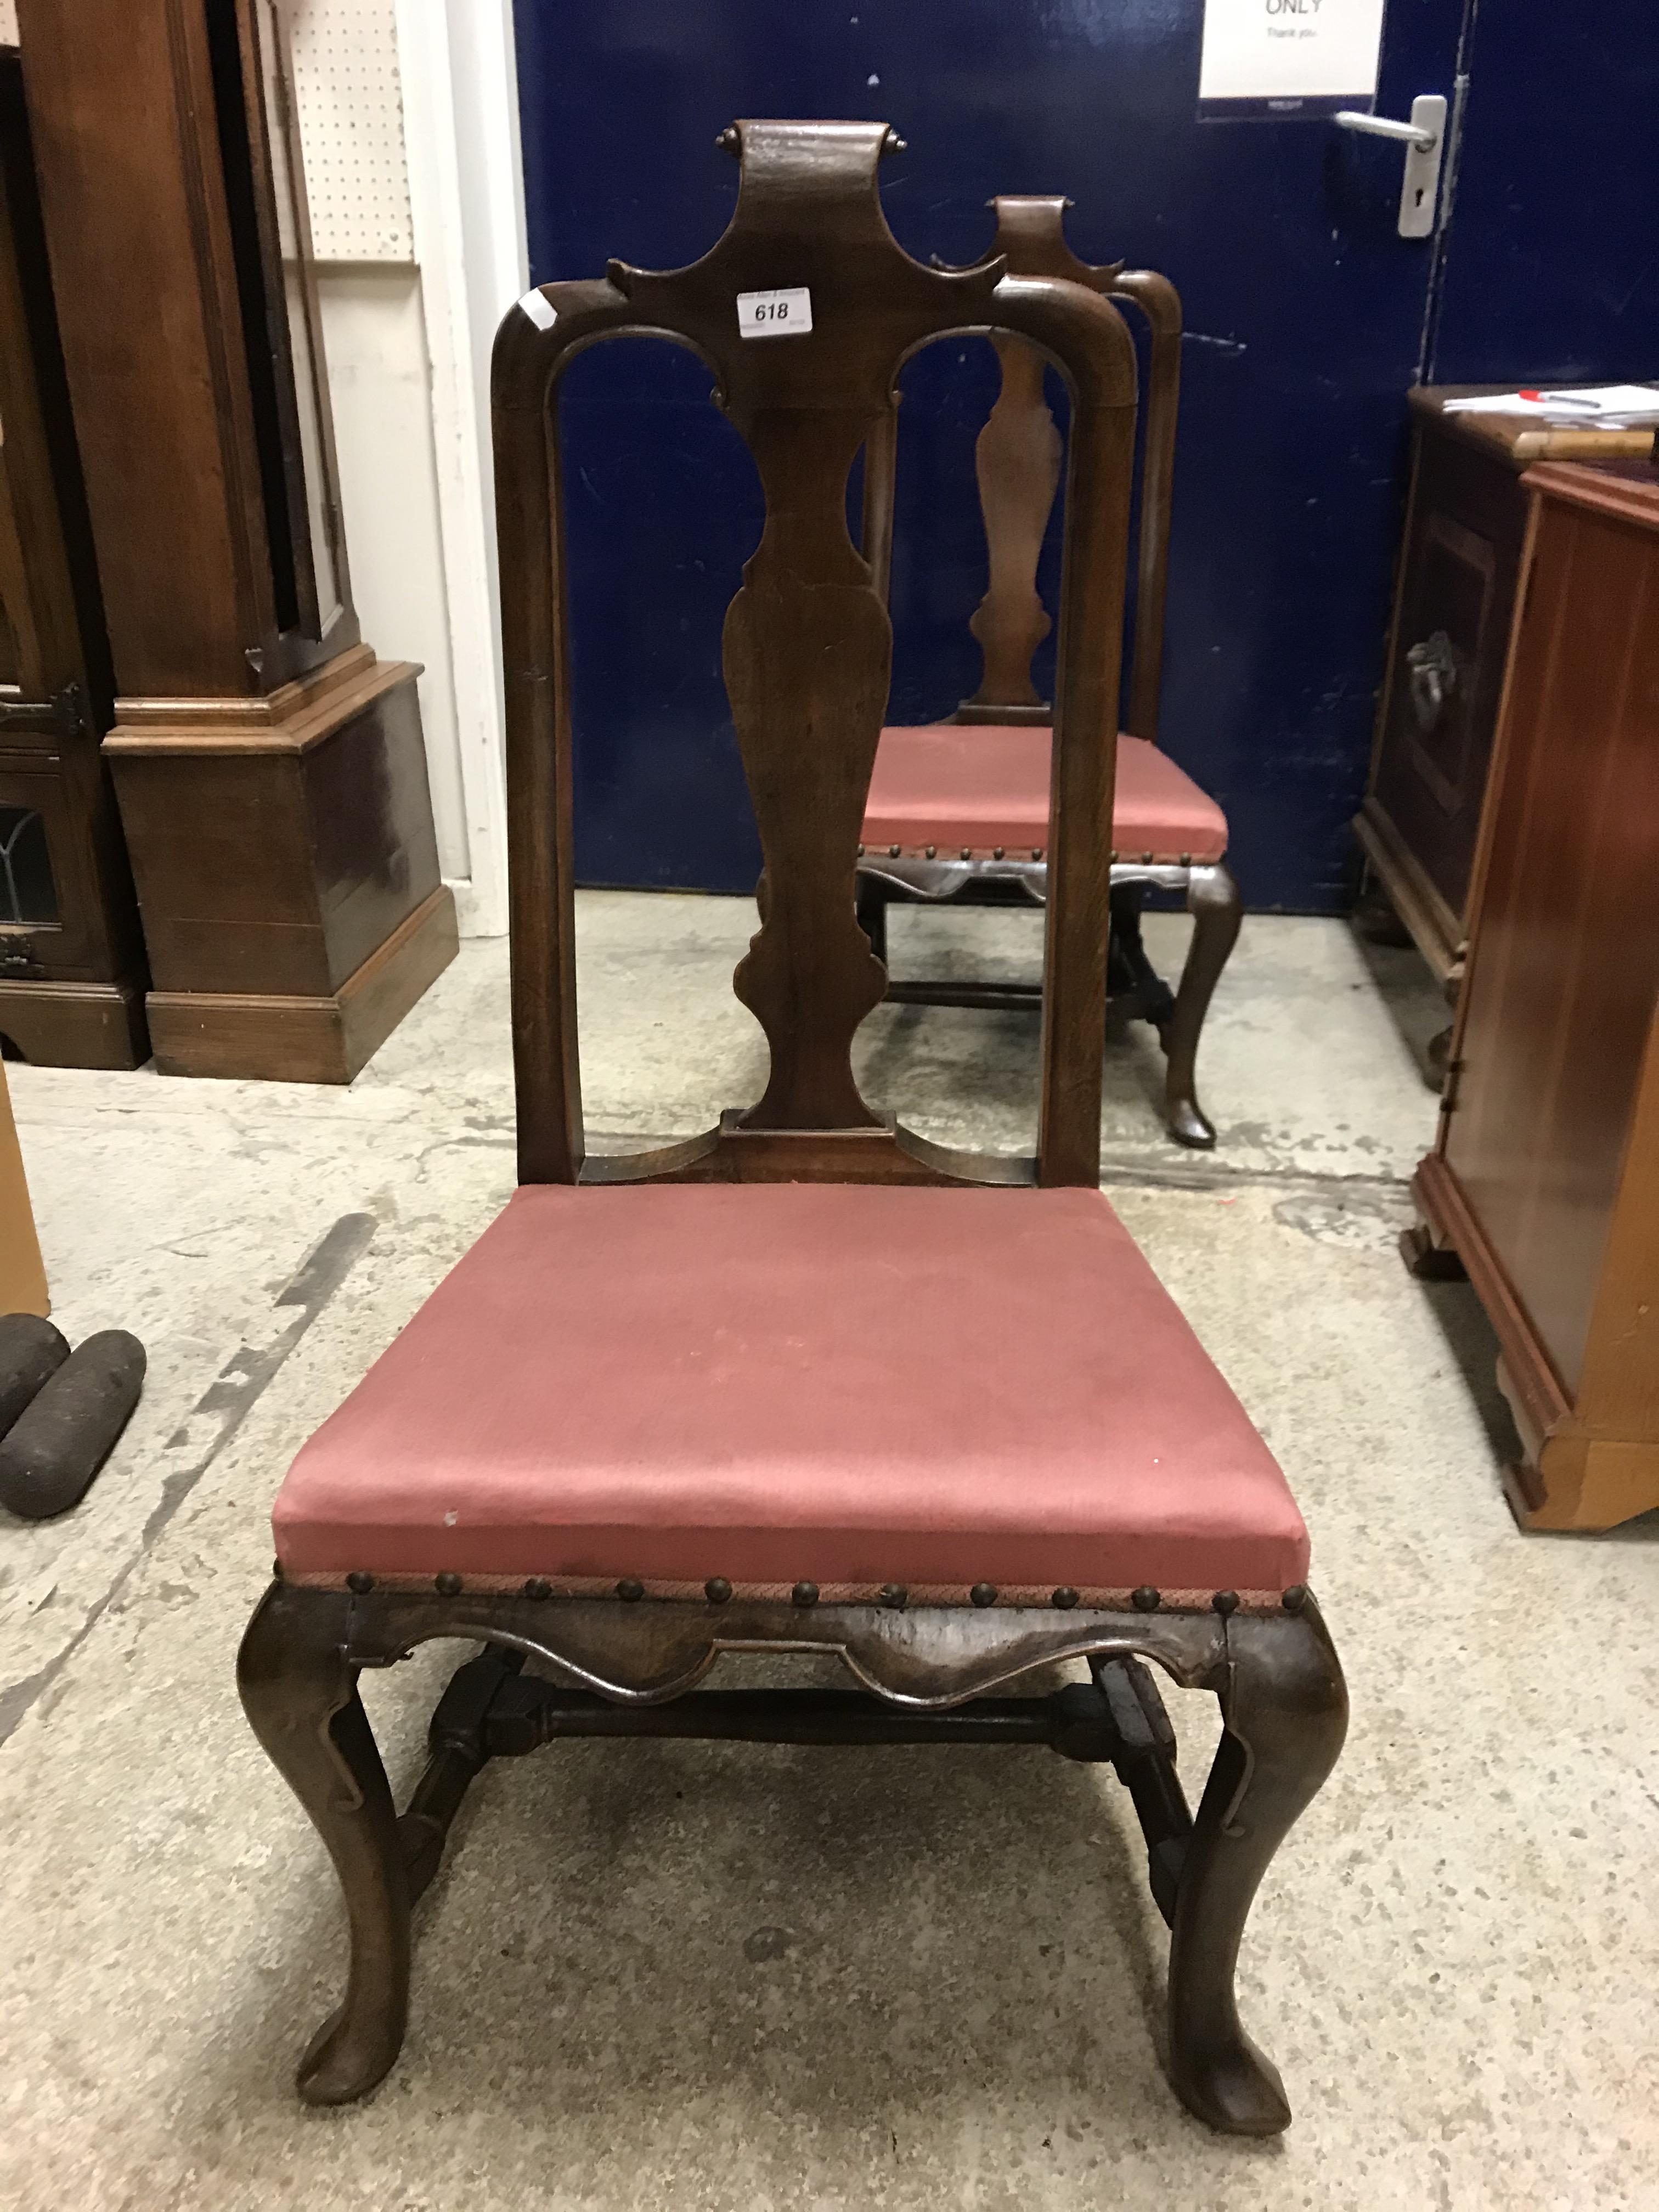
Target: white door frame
[(466, 193)]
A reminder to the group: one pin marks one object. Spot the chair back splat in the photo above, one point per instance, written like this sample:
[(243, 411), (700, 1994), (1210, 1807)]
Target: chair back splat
[(807, 647), (1018, 458)]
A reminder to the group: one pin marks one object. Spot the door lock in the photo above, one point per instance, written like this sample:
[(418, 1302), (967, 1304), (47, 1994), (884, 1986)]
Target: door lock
[(1425, 140)]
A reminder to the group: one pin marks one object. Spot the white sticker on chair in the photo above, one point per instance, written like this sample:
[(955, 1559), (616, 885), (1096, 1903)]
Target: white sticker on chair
[(538, 311), (774, 314)]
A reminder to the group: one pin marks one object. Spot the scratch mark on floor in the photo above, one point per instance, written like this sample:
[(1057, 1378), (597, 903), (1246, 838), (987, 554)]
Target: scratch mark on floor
[(212, 1422)]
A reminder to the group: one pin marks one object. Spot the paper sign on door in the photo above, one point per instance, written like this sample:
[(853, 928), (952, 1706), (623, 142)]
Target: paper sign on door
[(1276, 57)]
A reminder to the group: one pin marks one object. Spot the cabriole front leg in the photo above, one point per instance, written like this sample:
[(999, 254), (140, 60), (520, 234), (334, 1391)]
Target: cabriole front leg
[(1212, 901), (1285, 1712), (301, 1696)]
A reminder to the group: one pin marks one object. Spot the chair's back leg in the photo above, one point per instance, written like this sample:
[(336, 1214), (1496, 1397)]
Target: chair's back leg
[(880, 489), (1213, 901), (301, 1696), (1286, 1711), (870, 906)]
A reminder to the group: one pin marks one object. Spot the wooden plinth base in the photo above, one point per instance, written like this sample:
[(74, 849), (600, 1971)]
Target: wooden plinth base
[(1577, 1470), (54, 1024), (286, 869), (295, 1040)]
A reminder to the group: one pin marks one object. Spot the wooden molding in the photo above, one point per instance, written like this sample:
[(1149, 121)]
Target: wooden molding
[(289, 721), (62, 1024), (295, 1040), (1621, 498)]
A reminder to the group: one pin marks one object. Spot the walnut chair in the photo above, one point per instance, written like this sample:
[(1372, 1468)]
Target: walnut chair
[(711, 1398), (959, 810)]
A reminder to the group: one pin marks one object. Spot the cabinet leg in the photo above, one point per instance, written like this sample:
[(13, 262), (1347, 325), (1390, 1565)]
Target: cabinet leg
[(1428, 1260)]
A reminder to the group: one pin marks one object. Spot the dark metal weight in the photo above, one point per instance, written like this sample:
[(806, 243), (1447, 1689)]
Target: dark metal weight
[(61, 1439), (31, 1352)]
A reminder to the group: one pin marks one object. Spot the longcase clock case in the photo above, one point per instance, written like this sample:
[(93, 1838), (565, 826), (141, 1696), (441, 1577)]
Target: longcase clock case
[(269, 769)]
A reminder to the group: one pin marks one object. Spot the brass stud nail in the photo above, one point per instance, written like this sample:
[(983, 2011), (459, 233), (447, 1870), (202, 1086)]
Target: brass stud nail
[(1186, 859), (967, 852), (1114, 859), (1065, 1598), (932, 851), (448, 1584), (1146, 1598), (1146, 859), (996, 852), (537, 1588), (360, 1584), (861, 851), (1294, 1598), (805, 1594), (717, 1589), (892, 851), (1036, 852), (1225, 1601), (983, 1594), (727, 141), (630, 1589), (276, 1571), (895, 1596)]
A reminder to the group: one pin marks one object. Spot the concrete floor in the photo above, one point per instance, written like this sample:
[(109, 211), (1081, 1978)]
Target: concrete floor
[(712, 1977)]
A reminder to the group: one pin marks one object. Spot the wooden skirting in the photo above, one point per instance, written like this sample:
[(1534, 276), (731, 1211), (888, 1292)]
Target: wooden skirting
[(55, 1024), (293, 1040)]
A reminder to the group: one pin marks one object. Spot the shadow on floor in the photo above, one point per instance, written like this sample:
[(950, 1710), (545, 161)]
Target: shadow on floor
[(1421, 1019)]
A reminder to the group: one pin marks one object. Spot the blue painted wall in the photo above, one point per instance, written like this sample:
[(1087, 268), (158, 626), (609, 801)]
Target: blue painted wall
[(1307, 316), (1552, 257)]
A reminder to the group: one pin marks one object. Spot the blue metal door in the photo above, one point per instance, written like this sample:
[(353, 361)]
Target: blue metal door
[(1308, 318)]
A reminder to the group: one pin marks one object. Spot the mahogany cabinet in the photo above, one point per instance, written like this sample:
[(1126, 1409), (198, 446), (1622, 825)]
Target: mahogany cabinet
[(1544, 1181), (1465, 523), (71, 955), (269, 770)]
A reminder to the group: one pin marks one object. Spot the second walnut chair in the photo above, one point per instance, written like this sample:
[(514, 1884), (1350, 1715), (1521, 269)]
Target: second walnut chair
[(959, 810)]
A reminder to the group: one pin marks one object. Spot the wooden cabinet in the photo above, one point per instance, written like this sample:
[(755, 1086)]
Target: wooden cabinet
[(22, 1278), (1544, 1179), (71, 956), (269, 770), (1465, 524)]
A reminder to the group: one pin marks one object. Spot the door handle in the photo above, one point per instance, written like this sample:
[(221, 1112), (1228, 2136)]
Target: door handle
[(1425, 140)]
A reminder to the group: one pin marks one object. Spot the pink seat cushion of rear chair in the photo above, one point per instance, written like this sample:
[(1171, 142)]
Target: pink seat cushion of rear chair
[(850, 1385), (987, 785)]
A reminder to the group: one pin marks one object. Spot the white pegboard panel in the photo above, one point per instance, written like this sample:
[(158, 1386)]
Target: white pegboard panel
[(351, 125), (7, 22)]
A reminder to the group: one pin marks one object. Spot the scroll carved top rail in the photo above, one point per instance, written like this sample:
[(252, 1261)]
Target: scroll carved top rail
[(807, 656)]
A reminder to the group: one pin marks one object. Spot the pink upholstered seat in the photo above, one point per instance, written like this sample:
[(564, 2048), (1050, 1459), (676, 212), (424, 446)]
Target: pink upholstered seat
[(849, 1384), (952, 786)]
